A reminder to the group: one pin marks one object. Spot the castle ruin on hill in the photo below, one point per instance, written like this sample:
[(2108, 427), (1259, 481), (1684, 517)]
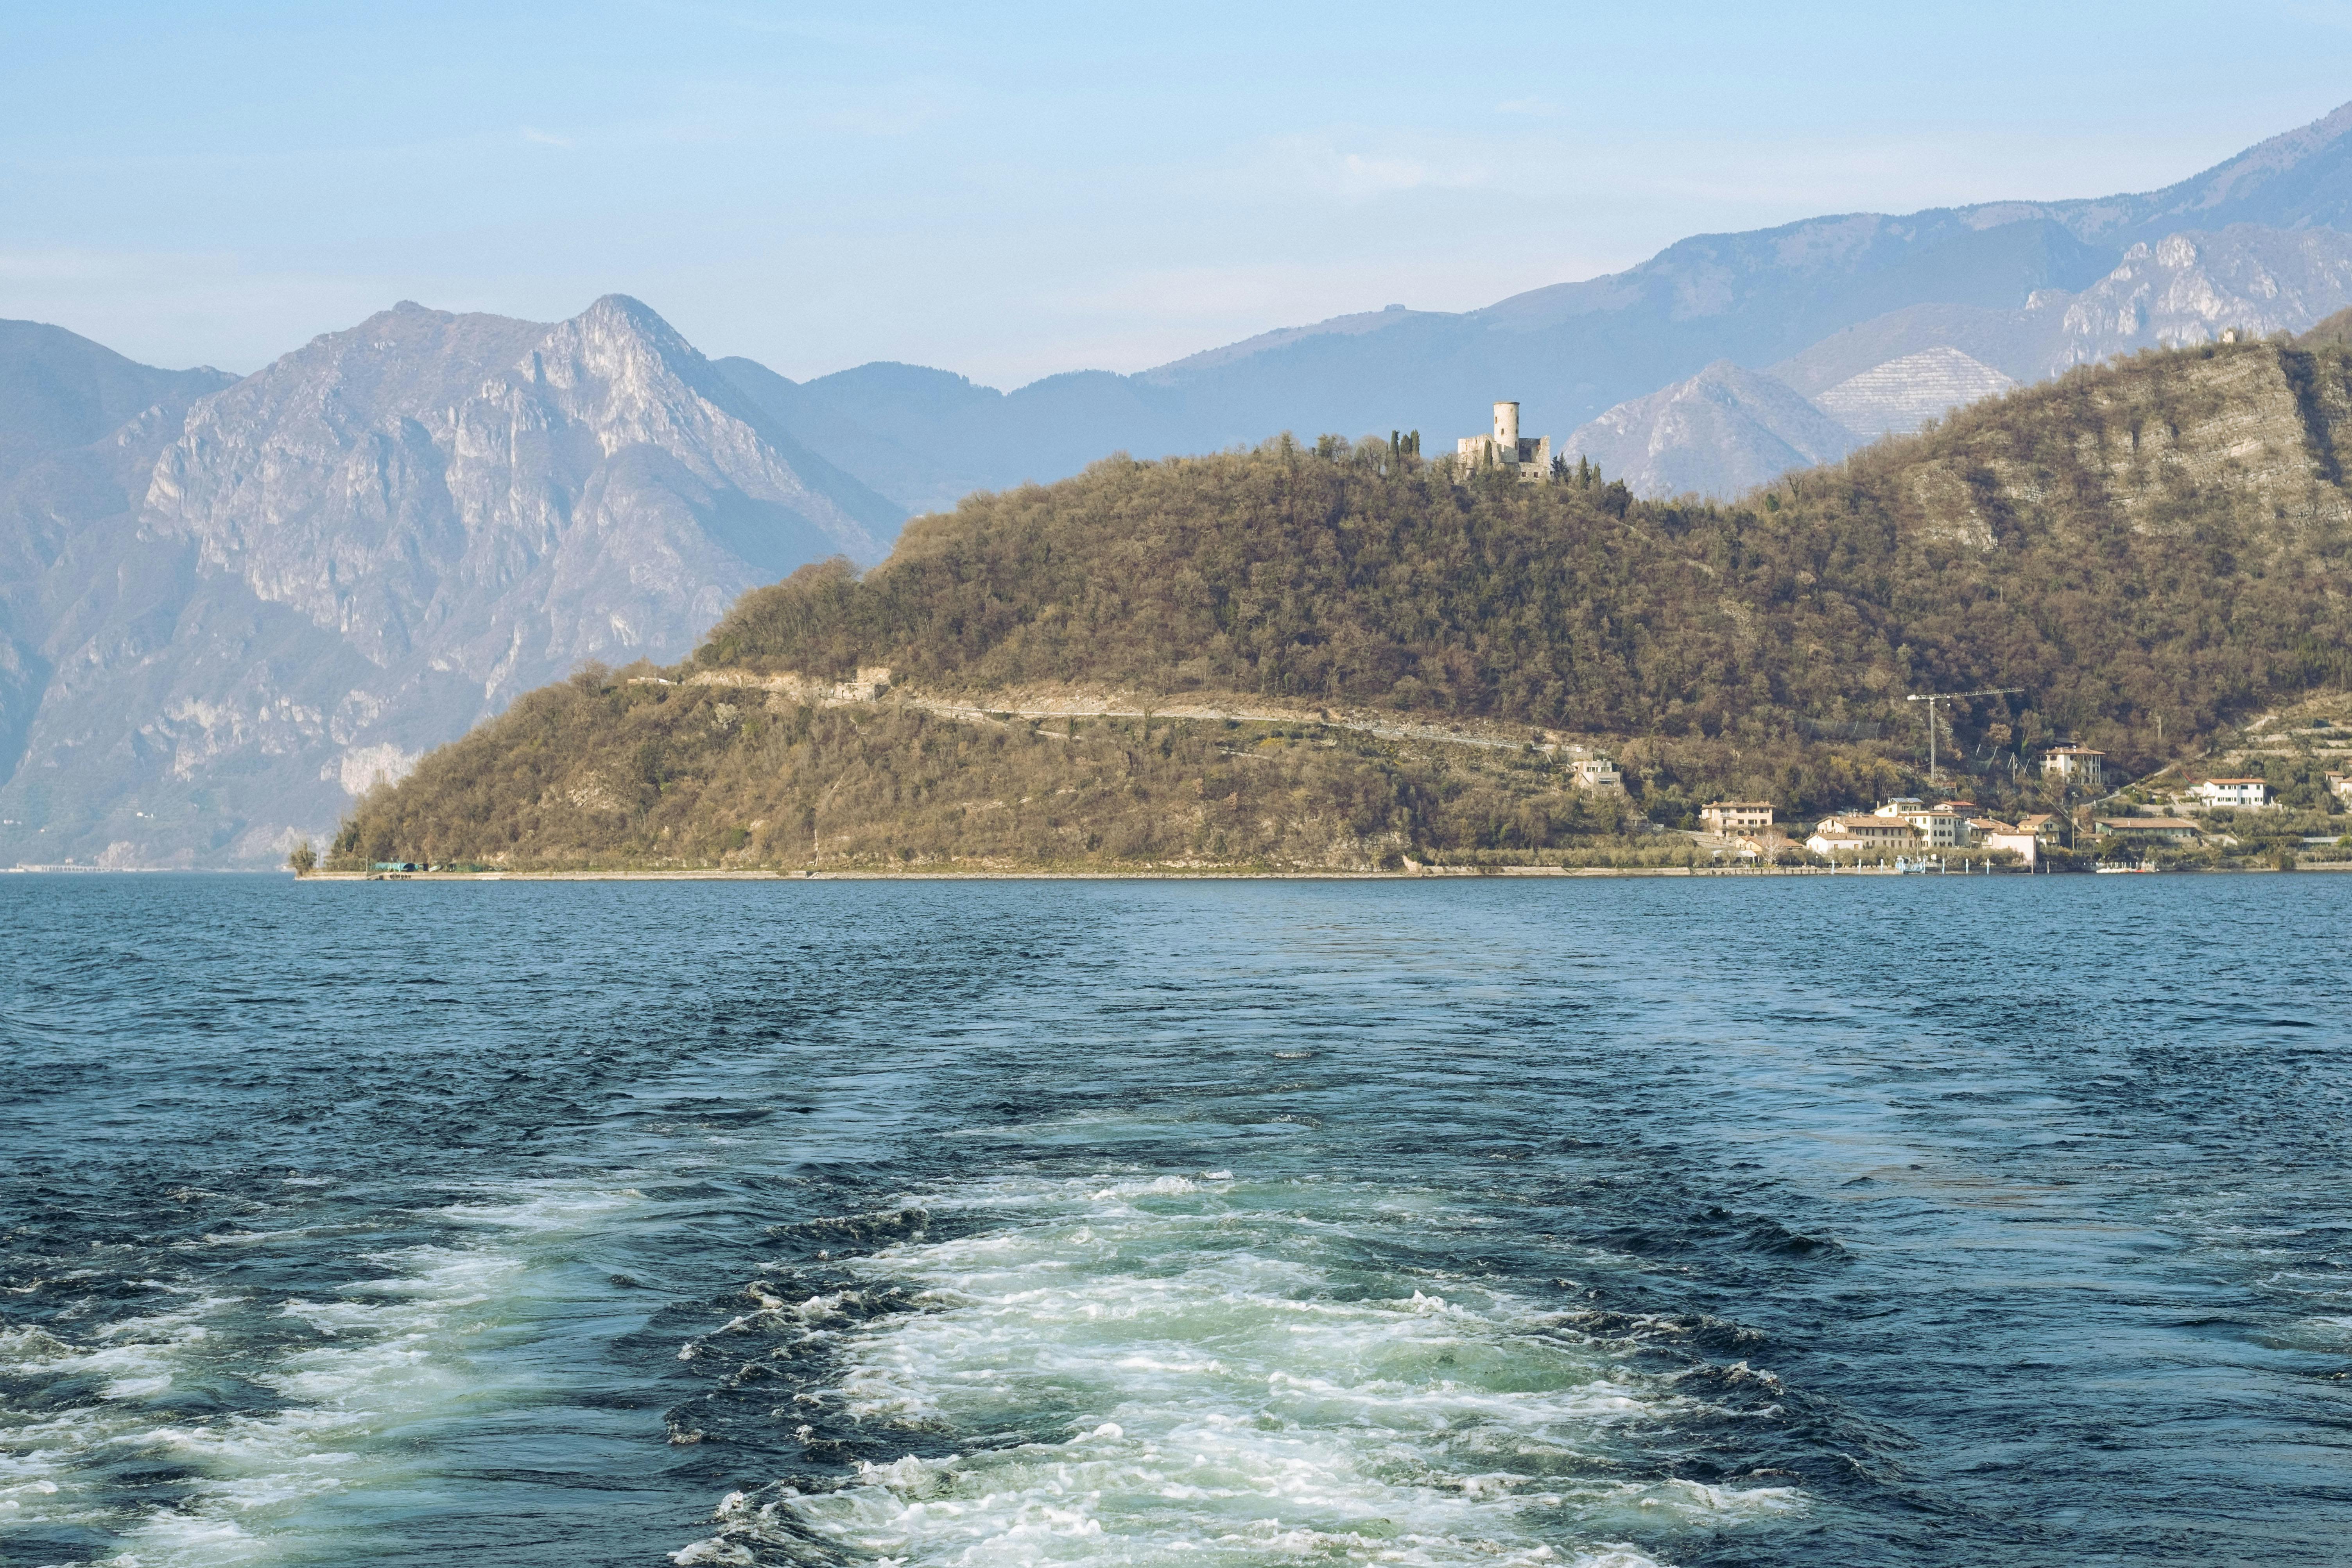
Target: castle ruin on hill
[(1528, 456)]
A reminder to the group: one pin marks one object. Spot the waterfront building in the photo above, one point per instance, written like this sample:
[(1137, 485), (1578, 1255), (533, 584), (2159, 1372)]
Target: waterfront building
[(1831, 846), (1941, 826), (1878, 833), (1991, 833), (1733, 817)]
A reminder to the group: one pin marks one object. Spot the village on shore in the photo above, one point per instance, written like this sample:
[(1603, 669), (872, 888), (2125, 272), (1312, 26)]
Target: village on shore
[(2111, 830)]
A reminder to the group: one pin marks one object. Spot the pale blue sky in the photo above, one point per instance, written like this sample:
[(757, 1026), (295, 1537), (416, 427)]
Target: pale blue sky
[(1022, 189)]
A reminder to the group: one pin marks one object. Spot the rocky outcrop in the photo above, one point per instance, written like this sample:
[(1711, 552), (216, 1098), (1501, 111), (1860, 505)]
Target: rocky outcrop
[(460, 482), (350, 557), (2259, 434), (2189, 288)]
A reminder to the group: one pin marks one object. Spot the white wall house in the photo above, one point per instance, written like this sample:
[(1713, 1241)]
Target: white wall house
[(1596, 771), (2244, 795), (2077, 765), (1733, 817), (1877, 835), (1944, 826), (1993, 833)]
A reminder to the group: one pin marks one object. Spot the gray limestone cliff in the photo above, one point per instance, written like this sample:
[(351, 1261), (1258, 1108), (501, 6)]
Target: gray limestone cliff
[(354, 555)]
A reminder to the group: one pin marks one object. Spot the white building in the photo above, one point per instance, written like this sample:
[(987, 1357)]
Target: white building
[(1596, 771), (1732, 816), (2077, 765), (2244, 795), (1996, 834), (1528, 456), (1944, 826), (1874, 834), (1831, 846), (1940, 827)]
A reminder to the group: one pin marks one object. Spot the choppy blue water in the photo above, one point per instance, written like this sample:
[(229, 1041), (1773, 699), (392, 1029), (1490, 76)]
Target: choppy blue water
[(1885, 1221)]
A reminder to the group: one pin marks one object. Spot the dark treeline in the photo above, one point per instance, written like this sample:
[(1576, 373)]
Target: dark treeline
[(2091, 540)]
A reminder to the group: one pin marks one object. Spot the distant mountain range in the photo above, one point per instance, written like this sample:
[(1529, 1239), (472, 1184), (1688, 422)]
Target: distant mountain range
[(1893, 373), (231, 609), (227, 606), (1843, 294)]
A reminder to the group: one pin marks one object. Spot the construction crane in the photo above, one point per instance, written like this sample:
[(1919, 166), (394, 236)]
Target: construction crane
[(1932, 698)]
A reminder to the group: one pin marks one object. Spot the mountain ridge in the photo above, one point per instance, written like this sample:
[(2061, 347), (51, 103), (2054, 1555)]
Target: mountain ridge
[(337, 563), (1570, 352), (1893, 372)]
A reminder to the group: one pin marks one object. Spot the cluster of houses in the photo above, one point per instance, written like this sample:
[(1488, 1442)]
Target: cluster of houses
[(2084, 768), (1908, 827)]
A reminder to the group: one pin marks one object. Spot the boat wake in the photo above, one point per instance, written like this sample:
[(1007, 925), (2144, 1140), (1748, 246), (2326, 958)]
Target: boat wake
[(1196, 1369)]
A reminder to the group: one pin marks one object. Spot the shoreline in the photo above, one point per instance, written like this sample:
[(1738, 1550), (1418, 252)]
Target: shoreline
[(1449, 873)]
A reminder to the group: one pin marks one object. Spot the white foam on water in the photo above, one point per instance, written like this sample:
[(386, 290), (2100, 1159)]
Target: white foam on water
[(1162, 1369), (45, 1455), (392, 1354)]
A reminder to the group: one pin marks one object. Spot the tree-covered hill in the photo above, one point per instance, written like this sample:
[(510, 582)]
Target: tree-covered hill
[(2147, 549), (2164, 538)]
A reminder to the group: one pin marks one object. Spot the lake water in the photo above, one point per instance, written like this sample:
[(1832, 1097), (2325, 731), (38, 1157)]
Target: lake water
[(1823, 1222)]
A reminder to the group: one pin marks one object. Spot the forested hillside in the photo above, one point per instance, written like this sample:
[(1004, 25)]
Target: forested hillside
[(2145, 549), (2162, 538)]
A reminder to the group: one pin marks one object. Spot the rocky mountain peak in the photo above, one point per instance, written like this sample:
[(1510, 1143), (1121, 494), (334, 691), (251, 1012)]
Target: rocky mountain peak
[(389, 531), (2188, 288), (1721, 432)]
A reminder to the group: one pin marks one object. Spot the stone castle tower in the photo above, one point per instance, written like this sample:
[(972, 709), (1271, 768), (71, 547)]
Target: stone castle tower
[(1529, 458)]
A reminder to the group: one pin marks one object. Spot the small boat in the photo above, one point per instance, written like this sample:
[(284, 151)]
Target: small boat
[(2140, 869)]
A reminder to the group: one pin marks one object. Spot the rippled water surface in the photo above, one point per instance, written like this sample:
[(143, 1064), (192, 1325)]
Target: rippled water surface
[(1916, 1221)]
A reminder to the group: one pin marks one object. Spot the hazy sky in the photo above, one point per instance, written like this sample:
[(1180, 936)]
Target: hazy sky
[(1015, 190)]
